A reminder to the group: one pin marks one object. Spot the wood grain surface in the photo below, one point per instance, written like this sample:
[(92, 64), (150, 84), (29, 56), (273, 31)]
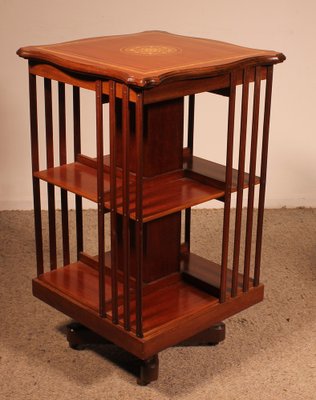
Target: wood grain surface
[(148, 58)]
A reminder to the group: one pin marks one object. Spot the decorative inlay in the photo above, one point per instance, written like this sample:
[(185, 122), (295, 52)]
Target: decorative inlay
[(151, 50)]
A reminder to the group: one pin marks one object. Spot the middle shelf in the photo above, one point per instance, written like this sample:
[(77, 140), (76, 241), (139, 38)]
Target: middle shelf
[(199, 181)]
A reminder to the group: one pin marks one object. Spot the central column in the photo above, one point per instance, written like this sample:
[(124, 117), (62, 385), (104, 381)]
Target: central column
[(162, 152)]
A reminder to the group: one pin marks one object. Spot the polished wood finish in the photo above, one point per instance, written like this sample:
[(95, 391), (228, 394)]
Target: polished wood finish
[(150, 291), (77, 150), (63, 161), (35, 168), (263, 172), (150, 58)]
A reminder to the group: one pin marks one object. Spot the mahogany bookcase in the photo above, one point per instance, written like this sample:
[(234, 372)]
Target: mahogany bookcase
[(149, 291)]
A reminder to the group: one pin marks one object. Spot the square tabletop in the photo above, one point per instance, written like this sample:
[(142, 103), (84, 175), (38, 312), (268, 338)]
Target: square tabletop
[(149, 58)]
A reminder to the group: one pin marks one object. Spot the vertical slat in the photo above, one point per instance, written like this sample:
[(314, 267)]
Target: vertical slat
[(187, 231), (126, 231), (100, 190), (263, 173), (252, 176), (191, 122), (62, 161), (35, 168), (139, 215), (77, 150), (240, 182), (228, 185), (50, 164), (114, 246)]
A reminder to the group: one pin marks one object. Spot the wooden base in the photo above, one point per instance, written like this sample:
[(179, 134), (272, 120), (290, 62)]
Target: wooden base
[(79, 337)]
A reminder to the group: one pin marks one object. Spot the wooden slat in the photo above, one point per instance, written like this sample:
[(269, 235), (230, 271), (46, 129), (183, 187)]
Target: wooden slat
[(63, 161), (50, 164), (187, 229), (113, 162), (263, 174), (139, 215), (77, 150), (126, 210), (240, 183), (228, 184), (35, 168), (100, 191), (251, 190)]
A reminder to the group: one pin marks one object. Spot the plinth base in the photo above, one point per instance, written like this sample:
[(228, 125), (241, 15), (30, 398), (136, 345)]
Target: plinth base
[(79, 337)]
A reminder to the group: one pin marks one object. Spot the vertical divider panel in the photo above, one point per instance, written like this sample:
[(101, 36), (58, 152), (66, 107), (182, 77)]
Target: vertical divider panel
[(77, 150), (139, 214), (240, 181), (126, 216), (50, 164), (263, 173), (35, 168), (228, 185), (187, 232), (62, 161), (100, 191), (252, 177), (113, 162)]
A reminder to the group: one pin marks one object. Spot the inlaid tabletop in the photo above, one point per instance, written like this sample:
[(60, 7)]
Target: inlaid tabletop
[(149, 58)]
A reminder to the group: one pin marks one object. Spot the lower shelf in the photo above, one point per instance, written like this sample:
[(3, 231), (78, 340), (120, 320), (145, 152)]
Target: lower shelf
[(171, 314)]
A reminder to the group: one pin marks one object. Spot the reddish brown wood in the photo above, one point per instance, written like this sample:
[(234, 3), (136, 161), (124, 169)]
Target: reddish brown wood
[(205, 274), (100, 191), (50, 164), (35, 168), (182, 325), (241, 175), (77, 150), (139, 215), (228, 184), (150, 292), (63, 161), (114, 255), (186, 58), (126, 202), (251, 190), (263, 174), (190, 147), (211, 173)]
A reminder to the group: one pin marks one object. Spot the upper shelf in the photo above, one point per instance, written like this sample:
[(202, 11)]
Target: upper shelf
[(149, 58)]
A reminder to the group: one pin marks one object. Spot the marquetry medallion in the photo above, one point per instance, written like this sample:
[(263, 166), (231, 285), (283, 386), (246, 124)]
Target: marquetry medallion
[(151, 50)]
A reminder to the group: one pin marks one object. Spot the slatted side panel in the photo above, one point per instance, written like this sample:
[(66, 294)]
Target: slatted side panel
[(245, 260), (54, 157)]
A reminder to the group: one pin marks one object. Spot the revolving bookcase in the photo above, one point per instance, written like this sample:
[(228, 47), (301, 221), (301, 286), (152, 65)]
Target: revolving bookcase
[(149, 292)]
